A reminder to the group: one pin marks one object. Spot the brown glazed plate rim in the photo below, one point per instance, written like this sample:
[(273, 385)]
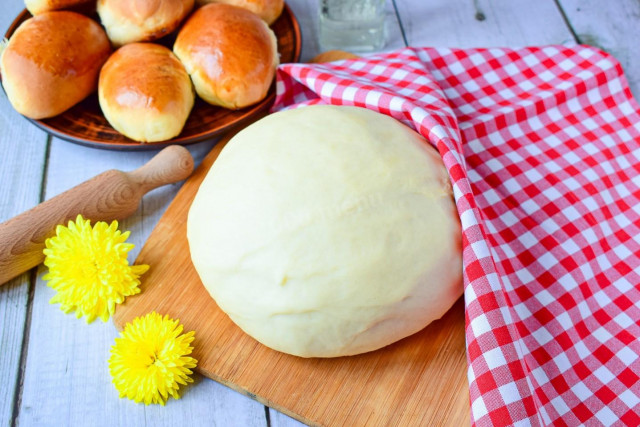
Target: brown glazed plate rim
[(286, 28)]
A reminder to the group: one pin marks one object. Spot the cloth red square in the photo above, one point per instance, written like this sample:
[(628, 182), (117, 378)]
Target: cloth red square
[(542, 145)]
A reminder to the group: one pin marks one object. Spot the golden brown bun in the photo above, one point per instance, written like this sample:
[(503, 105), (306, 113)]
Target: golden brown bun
[(36, 7), (52, 62), (128, 21), (268, 10), (230, 53), (145, 92)]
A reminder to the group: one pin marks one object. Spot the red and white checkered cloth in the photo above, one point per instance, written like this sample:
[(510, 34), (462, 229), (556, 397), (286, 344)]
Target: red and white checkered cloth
[(543, 148)]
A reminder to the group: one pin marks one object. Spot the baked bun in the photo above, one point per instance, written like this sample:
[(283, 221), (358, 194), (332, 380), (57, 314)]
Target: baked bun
[(328, 231), (36, 7), (52, 62), (145, 92), (230, 53), (128, 21), (268, 10)]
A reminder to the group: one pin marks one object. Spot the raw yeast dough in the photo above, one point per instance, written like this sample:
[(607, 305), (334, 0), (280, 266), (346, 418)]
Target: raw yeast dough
[(328, 231)]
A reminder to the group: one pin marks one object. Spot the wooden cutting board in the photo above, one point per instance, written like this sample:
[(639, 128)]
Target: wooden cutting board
[(418, 381)]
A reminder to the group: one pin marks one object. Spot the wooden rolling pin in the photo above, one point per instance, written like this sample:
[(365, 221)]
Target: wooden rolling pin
[(111, 195)]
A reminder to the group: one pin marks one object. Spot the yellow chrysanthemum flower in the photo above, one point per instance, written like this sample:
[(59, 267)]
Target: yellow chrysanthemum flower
[(88, 268), (150, 359)]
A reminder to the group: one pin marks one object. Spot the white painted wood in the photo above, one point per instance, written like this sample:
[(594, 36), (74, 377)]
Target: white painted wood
[(278, 419), (66, 380), (611, 26), (482, 23), (22, 159), (66, 373)]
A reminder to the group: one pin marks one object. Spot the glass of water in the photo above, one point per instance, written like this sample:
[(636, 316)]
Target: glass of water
[(351, 25)]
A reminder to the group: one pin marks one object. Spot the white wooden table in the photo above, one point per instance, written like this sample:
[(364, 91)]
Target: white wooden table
[(53, 367)]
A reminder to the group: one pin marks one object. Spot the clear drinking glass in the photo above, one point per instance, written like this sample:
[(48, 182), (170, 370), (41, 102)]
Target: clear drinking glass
[(351, 25)]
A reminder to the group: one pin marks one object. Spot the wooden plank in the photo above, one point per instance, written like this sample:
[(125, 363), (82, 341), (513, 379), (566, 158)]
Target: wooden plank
[(612, 27), (23, 149), (482, 23), (66, 375), (417, 381), (23, 158)]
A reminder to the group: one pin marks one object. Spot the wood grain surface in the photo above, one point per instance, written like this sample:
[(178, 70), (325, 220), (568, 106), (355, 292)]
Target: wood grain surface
[(85, 124), (420, 380), (22, 174)]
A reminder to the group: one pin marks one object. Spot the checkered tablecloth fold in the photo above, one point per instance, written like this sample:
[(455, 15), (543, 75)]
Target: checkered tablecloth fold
[(542, 145)]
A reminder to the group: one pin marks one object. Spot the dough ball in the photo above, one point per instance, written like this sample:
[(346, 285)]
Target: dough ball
[(267, 10), (52, 62), (129, 21), (145, 93), (230, 54), (328, 231)]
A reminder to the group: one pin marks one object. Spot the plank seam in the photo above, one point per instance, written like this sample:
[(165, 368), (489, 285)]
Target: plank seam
[(267, 416), (17, 399), (33, 276), (404, 36), (480, 16), (45, 173), (567, 22)]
